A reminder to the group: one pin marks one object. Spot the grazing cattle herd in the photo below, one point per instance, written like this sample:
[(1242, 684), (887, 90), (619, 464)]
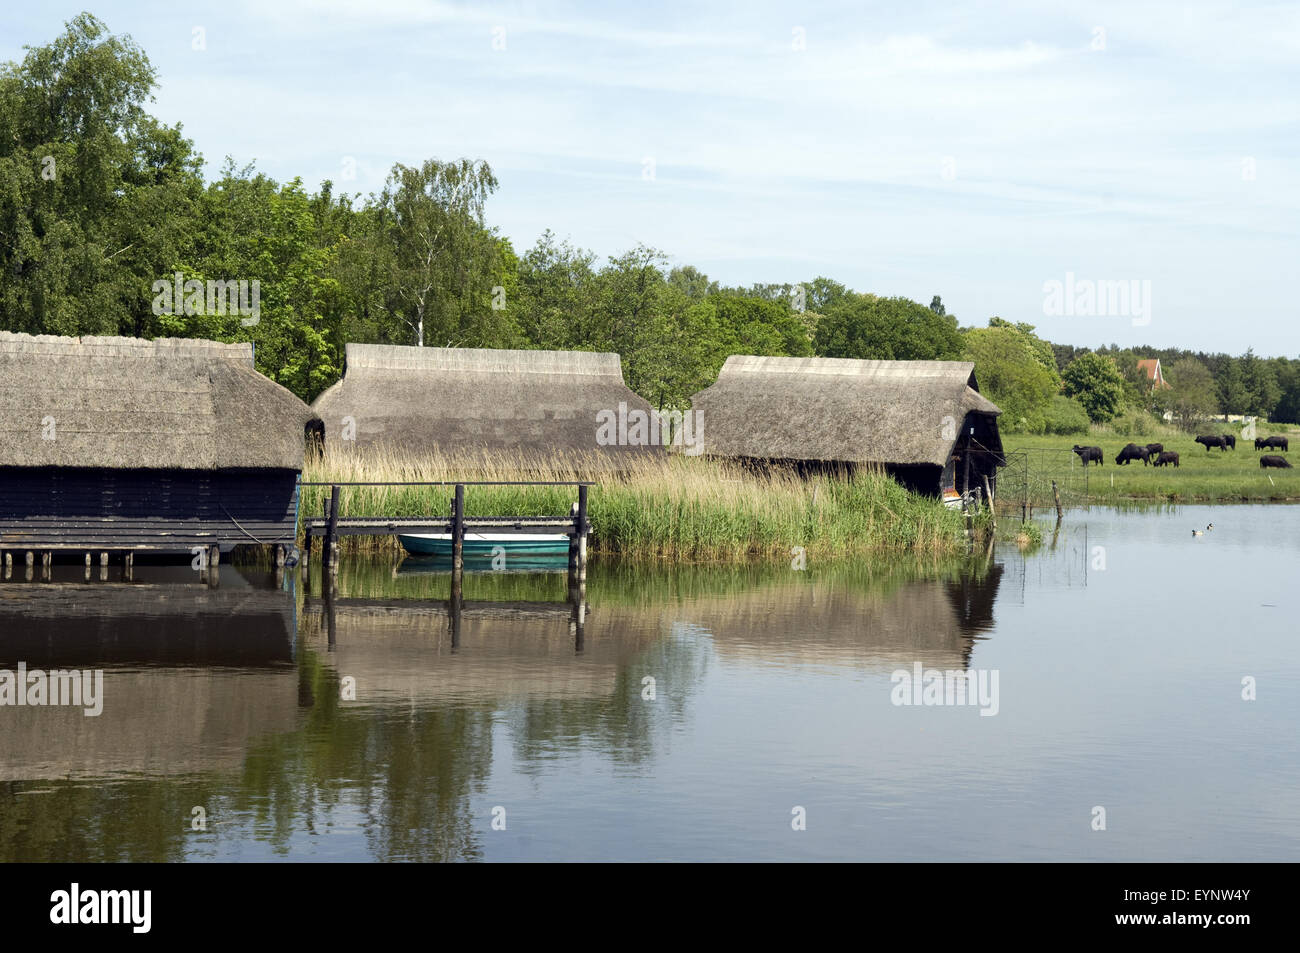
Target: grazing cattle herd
[(1156, 455)]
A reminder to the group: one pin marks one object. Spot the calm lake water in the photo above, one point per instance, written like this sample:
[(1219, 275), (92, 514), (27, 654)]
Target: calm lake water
[(1119, 651)]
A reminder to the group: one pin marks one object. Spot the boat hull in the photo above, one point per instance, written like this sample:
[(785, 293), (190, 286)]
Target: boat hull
[(487, 545)]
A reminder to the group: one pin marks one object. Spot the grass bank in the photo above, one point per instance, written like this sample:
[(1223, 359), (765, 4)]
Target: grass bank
[(679, 508), (1233, 476)]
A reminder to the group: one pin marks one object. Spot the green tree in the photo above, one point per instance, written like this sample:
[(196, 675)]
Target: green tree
[(97, 199), (438, 259), (556, 306), (1191, 396), (1097, 384), (1259, 380), (1011, 373), (896, 329)]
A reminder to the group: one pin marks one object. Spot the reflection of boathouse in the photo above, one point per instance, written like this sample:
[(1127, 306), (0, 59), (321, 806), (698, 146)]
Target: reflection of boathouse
[(173, 701), (125, 444), (932, 621)]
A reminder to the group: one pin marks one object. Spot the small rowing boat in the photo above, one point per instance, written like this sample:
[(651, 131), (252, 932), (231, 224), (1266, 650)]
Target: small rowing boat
[(487, 545)]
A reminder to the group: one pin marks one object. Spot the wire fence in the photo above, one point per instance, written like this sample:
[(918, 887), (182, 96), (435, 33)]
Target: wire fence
[(1041, 478)]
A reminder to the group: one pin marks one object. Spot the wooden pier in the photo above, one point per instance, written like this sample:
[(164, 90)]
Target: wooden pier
[(331, 525)]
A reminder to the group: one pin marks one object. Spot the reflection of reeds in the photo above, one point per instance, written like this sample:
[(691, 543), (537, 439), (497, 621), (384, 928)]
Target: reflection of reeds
[(671, 508)]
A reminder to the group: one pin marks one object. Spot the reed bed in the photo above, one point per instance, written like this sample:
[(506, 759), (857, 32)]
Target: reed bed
[(674, 508)]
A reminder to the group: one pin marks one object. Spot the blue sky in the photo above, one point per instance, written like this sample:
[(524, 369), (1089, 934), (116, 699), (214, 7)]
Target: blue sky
[(976, 151)]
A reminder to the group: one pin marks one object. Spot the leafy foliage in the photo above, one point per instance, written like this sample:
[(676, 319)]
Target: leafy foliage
[(892, 329), (1097, 384)]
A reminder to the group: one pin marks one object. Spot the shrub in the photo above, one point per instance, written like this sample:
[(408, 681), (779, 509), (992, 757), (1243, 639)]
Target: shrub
[(1065, 416), (1135, 423)]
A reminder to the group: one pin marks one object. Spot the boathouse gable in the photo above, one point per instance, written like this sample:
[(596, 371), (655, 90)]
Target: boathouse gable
[(125, 444), (542, 404), (920, 421)]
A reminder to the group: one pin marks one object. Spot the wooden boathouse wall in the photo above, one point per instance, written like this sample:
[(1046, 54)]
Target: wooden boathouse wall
[(54, 508)]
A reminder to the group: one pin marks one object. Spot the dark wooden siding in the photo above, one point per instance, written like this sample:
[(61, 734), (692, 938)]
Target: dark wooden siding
[(66, 508)]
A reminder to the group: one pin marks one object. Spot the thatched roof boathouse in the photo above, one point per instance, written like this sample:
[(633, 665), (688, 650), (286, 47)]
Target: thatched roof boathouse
[(125, 444), (541, 404), (923, 422)]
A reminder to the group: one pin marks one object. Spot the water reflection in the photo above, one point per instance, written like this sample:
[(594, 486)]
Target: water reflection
[(373, 716)]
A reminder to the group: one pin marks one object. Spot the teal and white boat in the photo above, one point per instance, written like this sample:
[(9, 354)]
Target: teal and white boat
[(487, 545)]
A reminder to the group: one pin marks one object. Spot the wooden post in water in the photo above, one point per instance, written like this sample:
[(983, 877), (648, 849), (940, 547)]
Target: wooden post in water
[(332, 531), (458, 530), (457, 559), (993, 514), (578, 540), (1056, 494), (583, 529)]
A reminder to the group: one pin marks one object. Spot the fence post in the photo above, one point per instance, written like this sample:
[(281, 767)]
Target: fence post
[(1056, 494), (993, 514)]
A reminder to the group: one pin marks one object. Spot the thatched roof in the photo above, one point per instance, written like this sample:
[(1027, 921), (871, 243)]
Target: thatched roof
[(124, 403), (415, 399), (838, 410)]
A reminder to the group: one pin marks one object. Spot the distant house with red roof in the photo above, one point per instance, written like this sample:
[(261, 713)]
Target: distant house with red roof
[(1151, 368)]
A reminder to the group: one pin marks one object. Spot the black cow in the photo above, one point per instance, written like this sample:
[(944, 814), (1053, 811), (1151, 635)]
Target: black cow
[(1230, 441), (1279, 443), (1089, 453), (1273, 460), (1133, 452), (1166, 457), (1214, 440), (1155, 448)]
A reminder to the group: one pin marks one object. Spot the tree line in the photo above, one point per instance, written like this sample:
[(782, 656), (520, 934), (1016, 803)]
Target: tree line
[(100, 203)]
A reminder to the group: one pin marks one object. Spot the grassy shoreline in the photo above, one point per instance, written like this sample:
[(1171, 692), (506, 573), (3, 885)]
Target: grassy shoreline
[(679, 508), (1232, 476)]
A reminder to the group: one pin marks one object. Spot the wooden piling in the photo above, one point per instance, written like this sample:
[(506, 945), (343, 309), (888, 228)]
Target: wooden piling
[(458, 530), (1056, 494), (332, 531), (583, 529), (578, 539), (993, 513)]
